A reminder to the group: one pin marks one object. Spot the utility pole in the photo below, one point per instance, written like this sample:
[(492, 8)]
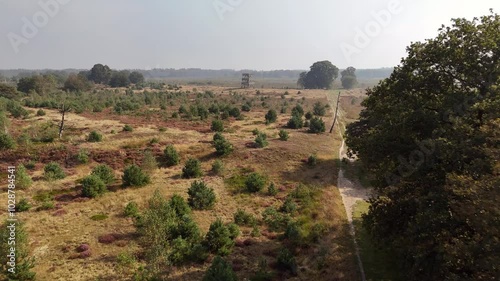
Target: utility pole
[(63, 111), (336, 111)]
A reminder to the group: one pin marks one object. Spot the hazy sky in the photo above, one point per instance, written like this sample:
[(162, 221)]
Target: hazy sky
[(220, 34)]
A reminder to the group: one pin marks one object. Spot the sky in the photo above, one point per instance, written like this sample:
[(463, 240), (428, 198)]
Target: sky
[(220, 34)]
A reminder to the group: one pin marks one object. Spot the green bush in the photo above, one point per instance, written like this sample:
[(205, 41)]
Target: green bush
[(319, 109), (283, 135), (201, 197), (309, 115), (271, 116), (171, 156), (316, 126), (217, 167), (105, 173), (220, 270), (53, 171), (149, 163), (234, 230), (262, 274), (40, 112), (261, 140), (312, 160), (83, 156), (288, 206), (134, 176), (23, 205), (246, 107), (179, 205), (23, 179), (235, 112), (275, 220), (272, 189), (243, 218), (286, 261), (131, 210), (127, 128), (298, 111), (6, 142), (218, 238), (192, 169), (255, 182), (222, 146), (93, 187), (217, 126), (94, 137), (30, 165), (295, 122)]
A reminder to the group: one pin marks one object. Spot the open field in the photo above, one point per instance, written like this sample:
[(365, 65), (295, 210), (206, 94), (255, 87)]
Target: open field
[(54, 234)]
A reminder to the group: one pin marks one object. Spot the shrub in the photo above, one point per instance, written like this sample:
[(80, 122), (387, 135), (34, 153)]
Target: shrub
[(105, 173), (131, 210), (23, 205), (295, 122), (201, 197), (255, 182), (319, 109), (217, 126), (94, 137), (316, 126), (134, 176), (83, 156), (243, 218), (40, 112), (93, 186), (192, 169), (309, 115), (53, 171), (220, 270), (255, 131), (234, 112), (23, 179), (149, 163), (222, 146), (6, 142), (171, 156), (255, 231), (234, 230), (47, 205), (286, 261), (271, 116), (218, 238), (179, 205), (298, 111), (127, 128), (275, 220), (30, 165), (312, 160), (218, 136), (272, 189), (288, 206), (217, 167), (246, 107), (283, 135), (261, 140)]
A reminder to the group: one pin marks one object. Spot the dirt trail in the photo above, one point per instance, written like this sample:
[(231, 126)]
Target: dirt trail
[(350, 191)]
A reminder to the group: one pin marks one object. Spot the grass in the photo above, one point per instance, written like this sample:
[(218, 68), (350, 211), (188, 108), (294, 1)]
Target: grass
[(99, 217), (378, 263)]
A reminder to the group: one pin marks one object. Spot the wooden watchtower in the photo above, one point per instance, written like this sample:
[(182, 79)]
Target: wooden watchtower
[(245, 80)]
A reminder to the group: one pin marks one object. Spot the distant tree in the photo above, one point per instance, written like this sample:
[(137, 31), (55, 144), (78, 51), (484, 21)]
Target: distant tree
[(119, 79), (41, 84), (321, 76), (218, 238), (302, 79), (8, 92), (76, 83), (100, 74), (349, 78), (271, 116), (136, 77)]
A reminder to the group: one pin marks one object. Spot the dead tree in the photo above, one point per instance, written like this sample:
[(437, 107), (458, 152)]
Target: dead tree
[(64, 109), (336, 111)]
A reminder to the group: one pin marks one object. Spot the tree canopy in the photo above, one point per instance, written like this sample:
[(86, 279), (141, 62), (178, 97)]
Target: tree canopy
[(349, 79), (100, 74), (321, 76), (429, 136)]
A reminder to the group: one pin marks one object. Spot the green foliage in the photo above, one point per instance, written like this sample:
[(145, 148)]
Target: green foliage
[(24, 263), (217, 126), (246, 107), (271, 190), (94, 136), (192, 169), (83, 156), (309, 115), (99, 217), (275, 220), (222, 146), (283, 135), (319, 109), (255, 182), (105, 173), (220, 270), (234, 112), (23, 205), (288, 206), (218, 238), (429, 137), (201, 197), (47, 205), (261, 140), (298, 111), (316, 126), (179, 205), (321, 76), (312, 160), (53, 171), (134, 176), (136, 77), (286, 260), (6, 142), (77, 83), (217, 167), (295, 122), (119, 79), (149, 164), (131, 210), (171, 156), (262, 273), (127, 128), (93, 186), (349, 78), (243, 218), (23, 179), (100, 74), (271, 116), (40, 112)]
